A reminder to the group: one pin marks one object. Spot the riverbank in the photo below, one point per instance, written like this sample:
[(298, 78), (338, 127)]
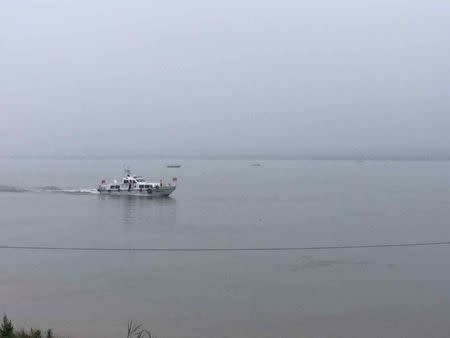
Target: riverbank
[(7, 330)]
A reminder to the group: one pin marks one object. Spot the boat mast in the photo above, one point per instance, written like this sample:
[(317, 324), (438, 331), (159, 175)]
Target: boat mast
[(126, 170)]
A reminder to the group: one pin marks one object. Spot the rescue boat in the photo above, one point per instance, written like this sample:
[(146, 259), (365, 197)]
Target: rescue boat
[(133, 185)]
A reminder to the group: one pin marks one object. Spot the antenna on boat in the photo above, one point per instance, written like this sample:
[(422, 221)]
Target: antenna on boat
[(126, 170)]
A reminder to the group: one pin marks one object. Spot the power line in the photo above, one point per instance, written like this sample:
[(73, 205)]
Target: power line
[(337, 247)]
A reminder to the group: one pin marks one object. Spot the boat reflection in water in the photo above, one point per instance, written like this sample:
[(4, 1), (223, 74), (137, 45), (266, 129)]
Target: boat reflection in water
[(140, 212)]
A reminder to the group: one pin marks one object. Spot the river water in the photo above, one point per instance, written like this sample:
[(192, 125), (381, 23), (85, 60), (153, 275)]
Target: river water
[(371, 292)]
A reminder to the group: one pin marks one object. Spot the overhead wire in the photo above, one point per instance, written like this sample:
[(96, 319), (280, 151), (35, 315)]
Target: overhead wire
[(223, 249)]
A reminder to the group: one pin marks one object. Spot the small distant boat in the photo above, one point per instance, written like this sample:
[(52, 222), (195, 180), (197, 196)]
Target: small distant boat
[(174, 166), (255, 164), (132, 185)]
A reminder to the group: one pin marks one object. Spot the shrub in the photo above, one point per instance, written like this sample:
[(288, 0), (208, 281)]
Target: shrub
[(6, 329)]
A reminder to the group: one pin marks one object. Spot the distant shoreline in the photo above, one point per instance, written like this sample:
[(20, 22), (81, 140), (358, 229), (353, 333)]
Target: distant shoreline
[(399, 158)]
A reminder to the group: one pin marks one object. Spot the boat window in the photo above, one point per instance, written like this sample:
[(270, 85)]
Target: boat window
[(147, 186), (139, 180), (141, 186), (125, 181)]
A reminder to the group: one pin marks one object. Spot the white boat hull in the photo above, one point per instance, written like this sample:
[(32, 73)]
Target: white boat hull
[(161, 192)]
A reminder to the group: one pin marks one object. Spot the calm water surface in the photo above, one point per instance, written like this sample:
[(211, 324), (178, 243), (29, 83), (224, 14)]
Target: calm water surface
[(389, 292)]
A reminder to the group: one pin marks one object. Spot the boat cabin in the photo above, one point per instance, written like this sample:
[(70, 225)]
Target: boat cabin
[(137, 182)]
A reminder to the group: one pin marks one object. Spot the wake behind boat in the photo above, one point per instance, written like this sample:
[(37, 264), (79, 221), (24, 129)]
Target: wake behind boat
[(132, 185)]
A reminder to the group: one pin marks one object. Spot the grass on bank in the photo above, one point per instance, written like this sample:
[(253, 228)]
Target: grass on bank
[(7, 331)]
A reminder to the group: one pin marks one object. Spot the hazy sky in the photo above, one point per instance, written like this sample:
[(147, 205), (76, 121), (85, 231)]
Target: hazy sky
[(222, 77)]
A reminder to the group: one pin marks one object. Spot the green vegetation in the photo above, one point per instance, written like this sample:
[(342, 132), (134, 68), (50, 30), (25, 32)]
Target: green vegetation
[(136, 331), (7, 331)]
